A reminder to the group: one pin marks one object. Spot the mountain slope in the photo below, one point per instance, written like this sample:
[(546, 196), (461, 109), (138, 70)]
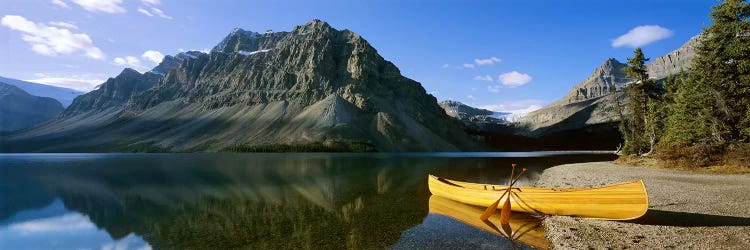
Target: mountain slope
[(64, 95), (594, 100), (312, 85), (19, 110)]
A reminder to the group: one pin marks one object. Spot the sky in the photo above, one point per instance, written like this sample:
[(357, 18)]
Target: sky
[(508, 55)]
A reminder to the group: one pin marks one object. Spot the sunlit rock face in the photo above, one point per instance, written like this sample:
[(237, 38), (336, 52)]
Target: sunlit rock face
[(675, 62), (314, 84)]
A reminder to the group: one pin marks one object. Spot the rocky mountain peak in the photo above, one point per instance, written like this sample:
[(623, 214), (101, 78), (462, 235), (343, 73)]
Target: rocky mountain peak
[(606, 79), (311, 85), (113, 93), (675, 61), (128, 72), (170, 62), (314, 24)]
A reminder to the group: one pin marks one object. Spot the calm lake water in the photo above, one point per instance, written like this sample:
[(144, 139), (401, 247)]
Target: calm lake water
[(259, 201)]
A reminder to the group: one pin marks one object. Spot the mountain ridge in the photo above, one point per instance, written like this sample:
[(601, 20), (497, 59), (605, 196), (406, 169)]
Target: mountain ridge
[(20, 110), (64, 95), (314, 84), (594, 100)]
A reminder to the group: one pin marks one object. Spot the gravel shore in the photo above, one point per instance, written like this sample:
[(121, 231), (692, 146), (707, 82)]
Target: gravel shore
[(686, 210)]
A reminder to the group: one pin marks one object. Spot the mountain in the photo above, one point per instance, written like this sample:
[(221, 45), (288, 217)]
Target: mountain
[(468, 114), (19, 109), (63, 95), (170, 62), (605, 80), (312, 86), (593, 102)]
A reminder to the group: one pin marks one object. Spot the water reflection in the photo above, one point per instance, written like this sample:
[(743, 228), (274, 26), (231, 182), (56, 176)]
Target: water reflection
[(211, 201), (524, 231), (55, 227)]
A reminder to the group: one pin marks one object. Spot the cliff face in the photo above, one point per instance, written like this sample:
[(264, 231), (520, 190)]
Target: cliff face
[(675, 62), (605, 80), (19, 110), (115, 92), (594, 100), (311, 85)]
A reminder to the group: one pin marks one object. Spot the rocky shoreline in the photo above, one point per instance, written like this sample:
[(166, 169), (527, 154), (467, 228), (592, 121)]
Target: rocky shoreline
[(686, 210)]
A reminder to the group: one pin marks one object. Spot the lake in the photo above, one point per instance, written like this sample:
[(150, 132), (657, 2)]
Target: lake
[(259, 201)]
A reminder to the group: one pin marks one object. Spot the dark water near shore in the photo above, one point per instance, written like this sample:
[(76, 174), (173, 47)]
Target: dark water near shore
[(259, 201)]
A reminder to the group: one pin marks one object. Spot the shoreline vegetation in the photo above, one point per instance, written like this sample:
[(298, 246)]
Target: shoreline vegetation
[(734, 159), (697, 120), (332, 146)]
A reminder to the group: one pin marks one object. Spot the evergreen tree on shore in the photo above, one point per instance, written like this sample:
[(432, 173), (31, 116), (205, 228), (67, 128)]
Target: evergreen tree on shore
[(639, 122), (712, 105), (708, 113)]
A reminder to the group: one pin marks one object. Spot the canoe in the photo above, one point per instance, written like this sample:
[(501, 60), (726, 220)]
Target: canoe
[(522, 227), (622, 201)]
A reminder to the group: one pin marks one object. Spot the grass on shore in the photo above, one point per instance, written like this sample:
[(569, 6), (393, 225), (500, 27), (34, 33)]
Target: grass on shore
[(734, 160)]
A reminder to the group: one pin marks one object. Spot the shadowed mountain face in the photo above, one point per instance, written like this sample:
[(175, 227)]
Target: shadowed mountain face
[(19, 110), (314, 84), (63, 95), (593, 102)]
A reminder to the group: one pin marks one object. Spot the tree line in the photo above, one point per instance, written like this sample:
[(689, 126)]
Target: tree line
[(701, 116)]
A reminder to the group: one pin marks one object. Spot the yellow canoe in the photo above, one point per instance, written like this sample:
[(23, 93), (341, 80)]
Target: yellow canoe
[(522, 227), (622, 201)]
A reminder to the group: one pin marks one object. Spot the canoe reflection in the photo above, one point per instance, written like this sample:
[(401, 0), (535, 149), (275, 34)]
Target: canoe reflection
[(523, 228)]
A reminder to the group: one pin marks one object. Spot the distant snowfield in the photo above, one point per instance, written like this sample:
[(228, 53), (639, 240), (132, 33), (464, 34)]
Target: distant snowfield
[(248, 53)]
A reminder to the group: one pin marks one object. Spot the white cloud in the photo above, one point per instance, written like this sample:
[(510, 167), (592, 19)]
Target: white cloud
[(80, 82), (105, 6), (483, 78), (131, 241), (64, 25), (514, 79), (64, 223), (153, 55), (145, 12), (468, 65), (160, 13), (61, 4), (470, 97), (128, 61), (493, 88), (642, 35), (487, 61), (445, 66), (151, 2), (52, 41)]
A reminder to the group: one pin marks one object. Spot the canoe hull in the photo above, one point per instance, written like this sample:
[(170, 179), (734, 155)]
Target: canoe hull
[(623, 201)]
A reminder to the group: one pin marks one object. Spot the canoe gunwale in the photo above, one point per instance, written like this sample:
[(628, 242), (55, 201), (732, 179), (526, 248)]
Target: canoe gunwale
[(629, 202)]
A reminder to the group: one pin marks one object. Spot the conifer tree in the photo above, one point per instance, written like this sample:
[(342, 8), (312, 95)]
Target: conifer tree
[(638, 124), (712, 105)]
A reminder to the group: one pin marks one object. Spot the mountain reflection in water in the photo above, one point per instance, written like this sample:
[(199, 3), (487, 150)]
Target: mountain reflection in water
[(218, 201)]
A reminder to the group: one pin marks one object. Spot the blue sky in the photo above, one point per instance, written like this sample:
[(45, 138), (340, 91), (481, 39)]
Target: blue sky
[(503, 55)]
